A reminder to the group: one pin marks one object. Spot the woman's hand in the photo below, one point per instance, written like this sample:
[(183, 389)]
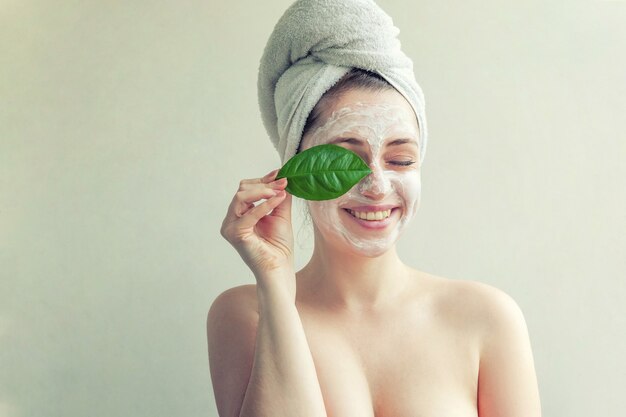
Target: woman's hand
[(263, 239)]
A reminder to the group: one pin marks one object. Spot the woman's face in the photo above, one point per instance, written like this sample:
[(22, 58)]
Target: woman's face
[(381, 128)]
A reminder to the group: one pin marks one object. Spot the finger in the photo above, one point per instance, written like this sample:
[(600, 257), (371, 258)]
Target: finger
[(255, 194), (252, 196), (269, 177), (276, 185), (240, 212), (249, 194), (283, 210), (234, 211), (253, 216)]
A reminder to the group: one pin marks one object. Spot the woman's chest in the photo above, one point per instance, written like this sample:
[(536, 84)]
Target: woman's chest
[(408, 366)]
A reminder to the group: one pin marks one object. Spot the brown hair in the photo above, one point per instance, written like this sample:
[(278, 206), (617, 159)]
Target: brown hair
[(355, 78)]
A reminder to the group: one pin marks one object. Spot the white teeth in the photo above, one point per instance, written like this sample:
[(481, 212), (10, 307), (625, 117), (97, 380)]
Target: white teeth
[(371, 215)]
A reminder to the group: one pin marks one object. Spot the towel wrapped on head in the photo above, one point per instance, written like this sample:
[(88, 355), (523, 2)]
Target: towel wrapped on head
[(313, 45)]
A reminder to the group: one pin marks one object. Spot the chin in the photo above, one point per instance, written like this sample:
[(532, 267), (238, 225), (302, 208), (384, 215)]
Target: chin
[(370, 248), (356, 245), (370, 252)]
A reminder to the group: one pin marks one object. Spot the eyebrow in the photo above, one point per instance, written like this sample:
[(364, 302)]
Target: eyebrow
[(360, 142), (402, 142)]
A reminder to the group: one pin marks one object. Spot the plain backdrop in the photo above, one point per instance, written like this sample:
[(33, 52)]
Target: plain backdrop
[(125, 128)]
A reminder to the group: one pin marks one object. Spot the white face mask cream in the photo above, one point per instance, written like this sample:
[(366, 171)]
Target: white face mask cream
[(371, 216)]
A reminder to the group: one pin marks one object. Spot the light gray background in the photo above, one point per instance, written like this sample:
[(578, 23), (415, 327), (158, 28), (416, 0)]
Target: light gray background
[(125, 128)]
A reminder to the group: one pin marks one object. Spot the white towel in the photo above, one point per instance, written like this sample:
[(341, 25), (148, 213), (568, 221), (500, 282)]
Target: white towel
[(313, 45)]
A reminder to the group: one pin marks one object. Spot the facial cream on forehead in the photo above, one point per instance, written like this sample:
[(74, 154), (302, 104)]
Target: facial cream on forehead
[(374, 123)]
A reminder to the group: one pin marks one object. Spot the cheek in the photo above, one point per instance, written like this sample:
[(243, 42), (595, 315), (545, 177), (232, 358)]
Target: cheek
[(322, 213), (408, 187)]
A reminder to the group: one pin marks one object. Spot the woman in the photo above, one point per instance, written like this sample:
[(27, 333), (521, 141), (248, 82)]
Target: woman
[(357, 332)]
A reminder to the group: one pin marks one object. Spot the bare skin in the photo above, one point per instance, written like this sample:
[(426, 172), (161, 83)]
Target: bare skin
[(385, 339), (420, 356)]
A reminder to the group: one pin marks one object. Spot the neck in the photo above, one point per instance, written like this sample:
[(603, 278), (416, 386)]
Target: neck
[(349, 281)]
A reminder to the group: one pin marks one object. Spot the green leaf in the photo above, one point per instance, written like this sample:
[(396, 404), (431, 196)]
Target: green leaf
[(323, 172)]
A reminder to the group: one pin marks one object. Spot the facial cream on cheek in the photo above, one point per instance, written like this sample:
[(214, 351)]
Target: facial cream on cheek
[(408, 186), (336, 227)]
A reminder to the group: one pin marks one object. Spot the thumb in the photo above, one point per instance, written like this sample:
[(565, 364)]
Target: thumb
[(283, 210)]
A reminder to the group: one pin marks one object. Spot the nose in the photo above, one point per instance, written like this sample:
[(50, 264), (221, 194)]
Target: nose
[(376, 185)]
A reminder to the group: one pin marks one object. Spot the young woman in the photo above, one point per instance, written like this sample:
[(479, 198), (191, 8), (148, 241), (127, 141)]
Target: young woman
[(357, 332)]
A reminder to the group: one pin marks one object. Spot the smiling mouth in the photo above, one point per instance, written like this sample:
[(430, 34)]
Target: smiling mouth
[(370, 215)]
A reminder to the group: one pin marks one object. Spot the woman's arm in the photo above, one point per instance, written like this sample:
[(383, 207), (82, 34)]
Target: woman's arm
[(276, 377), (507, 384), (284, 382)]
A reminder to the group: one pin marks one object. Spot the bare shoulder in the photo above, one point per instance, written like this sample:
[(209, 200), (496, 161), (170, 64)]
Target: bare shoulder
[(236, 300), (232, 315), (477, 304), (231, 326), (235, 306)]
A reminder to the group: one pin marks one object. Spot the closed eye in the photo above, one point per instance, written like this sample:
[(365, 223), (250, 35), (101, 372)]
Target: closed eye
[(402, 163)]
